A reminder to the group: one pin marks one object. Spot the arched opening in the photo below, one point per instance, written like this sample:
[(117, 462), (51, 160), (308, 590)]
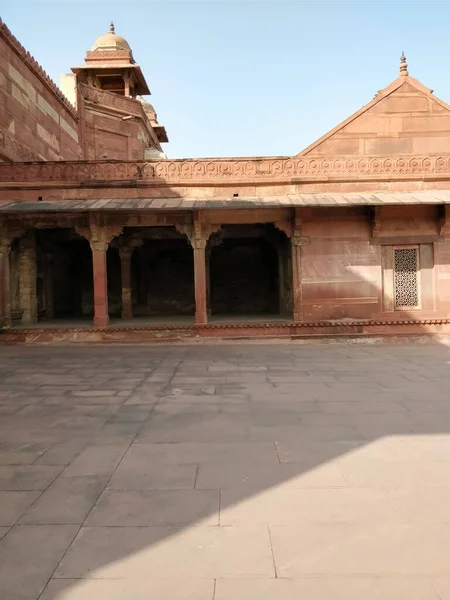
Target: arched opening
[(247, 272), (64, 284), (162, 274)]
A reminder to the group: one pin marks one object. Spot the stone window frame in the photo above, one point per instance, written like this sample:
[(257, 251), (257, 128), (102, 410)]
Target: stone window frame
[(415, 247)]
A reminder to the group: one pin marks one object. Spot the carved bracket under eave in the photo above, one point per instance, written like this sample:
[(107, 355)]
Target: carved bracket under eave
[(444, 222), (286, 227), (197, 233), (98, 234)]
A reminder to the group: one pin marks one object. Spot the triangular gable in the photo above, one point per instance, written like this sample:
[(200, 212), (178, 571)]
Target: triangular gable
[(403, 118)]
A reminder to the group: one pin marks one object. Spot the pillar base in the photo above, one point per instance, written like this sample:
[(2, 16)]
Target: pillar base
[(201, 318), (101, 321)]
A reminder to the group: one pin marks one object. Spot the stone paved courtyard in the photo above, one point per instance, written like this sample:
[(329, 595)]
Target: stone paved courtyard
[(227, 472)]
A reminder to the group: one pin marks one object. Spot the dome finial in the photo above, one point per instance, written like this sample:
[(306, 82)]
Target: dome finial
[(403, 66), (111, 28)]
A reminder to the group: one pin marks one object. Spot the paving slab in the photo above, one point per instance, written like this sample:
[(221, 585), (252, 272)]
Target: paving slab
[(158, 508), (136, 473), (359, 549), (196, 453), (34, 477), (28, 556), (14, 504), (325, 588), (67, 500), (130, 589), (155, 553), (100, 460)]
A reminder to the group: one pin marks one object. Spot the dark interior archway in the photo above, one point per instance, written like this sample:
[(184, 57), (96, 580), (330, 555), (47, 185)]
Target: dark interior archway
[(244, 272), (64, 275), (162, 271)]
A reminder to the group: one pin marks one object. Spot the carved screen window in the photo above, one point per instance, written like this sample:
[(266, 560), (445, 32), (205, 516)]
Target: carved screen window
[(406, 278)]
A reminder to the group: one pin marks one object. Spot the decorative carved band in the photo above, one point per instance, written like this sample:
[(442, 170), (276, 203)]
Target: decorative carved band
[(225, 170)]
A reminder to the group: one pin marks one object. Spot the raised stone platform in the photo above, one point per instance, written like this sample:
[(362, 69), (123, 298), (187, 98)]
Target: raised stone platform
[(138, 332)]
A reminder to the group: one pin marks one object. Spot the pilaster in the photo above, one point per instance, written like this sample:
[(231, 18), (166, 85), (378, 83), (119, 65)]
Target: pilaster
[(298, 240), (27, 278)]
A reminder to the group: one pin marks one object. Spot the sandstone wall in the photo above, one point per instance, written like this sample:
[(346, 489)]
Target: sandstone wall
[(36, 121), (341, 270), (115, 127), (109, 137), (347, 269)]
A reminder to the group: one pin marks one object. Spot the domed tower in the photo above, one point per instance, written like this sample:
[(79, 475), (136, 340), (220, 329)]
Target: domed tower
[(111, 67), (115, 123)]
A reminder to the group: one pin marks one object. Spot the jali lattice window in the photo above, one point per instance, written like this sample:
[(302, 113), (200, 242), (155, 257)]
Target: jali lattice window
[(406, 278)]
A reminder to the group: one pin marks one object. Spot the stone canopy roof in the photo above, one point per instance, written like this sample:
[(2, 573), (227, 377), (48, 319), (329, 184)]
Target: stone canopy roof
[(178, 203)]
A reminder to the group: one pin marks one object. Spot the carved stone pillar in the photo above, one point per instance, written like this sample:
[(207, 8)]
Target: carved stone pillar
[(201, 315), (100, 276), (99, 236), (27, 278), (5, 286), (198, 235), (296, 279), (125, 253)]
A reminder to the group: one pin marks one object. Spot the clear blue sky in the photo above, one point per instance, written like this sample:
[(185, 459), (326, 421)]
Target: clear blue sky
[(248, 77)]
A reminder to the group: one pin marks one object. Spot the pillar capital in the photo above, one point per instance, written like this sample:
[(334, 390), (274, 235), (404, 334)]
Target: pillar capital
[(198, 234), (125, 251), (99, 236)]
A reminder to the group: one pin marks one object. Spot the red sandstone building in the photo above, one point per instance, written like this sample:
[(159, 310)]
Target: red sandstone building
[(102, 237)]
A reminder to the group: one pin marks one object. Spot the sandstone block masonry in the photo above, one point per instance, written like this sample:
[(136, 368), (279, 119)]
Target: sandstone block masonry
[(36, 121)]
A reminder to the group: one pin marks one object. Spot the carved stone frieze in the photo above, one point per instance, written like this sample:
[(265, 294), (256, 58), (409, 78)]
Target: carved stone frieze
[(225, 170)]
